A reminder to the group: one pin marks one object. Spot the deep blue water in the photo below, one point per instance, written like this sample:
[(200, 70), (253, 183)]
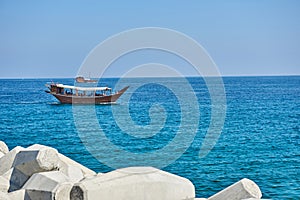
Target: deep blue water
[(260, 139)]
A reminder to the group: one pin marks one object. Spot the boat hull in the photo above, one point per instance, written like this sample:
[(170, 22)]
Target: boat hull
[(73, 99)]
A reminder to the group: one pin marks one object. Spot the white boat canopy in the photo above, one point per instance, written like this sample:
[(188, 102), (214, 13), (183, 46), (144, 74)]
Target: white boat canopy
[(82, 88)]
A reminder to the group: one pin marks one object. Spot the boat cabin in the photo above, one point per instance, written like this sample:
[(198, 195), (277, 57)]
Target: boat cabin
[(79, 91)]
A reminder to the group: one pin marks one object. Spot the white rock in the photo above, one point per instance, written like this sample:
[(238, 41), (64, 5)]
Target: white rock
[(63, 191), (48, 186), (6, 162), (4, 184), (3, 148), (4, 196), (251, 199), (17, 195), (5, 180), (27, 162), (32, 161), (255, 199), (134, 183), (39, 147), (65, 161), (73, 173), (242, 189)]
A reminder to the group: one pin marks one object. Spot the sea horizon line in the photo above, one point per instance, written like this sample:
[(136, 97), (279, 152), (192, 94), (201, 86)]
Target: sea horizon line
[(188, 76)]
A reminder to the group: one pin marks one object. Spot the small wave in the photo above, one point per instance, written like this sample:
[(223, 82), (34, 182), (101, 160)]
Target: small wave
[(3, 103), (29, 102), (6, 95)]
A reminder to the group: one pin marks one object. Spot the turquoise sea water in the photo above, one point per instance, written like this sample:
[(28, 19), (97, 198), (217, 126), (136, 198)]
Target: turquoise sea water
[(260, 139)]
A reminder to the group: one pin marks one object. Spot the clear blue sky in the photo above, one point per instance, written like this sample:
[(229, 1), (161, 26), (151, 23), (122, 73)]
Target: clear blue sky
[(52, 38)]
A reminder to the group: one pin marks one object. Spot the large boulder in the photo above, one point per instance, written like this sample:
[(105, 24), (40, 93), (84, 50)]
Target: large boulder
[(243, 189), (48, 186), (65, 164), (134, 183), (6, 162), (31, 161), (27, 162)]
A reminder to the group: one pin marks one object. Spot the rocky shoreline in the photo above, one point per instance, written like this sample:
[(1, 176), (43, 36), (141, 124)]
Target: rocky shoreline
[(39, 172)]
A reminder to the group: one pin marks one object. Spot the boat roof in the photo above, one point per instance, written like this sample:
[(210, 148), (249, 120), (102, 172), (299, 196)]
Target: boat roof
[(82, 88)]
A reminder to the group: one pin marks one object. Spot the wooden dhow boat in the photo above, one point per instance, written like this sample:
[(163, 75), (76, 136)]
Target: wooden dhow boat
[(68, 94)]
